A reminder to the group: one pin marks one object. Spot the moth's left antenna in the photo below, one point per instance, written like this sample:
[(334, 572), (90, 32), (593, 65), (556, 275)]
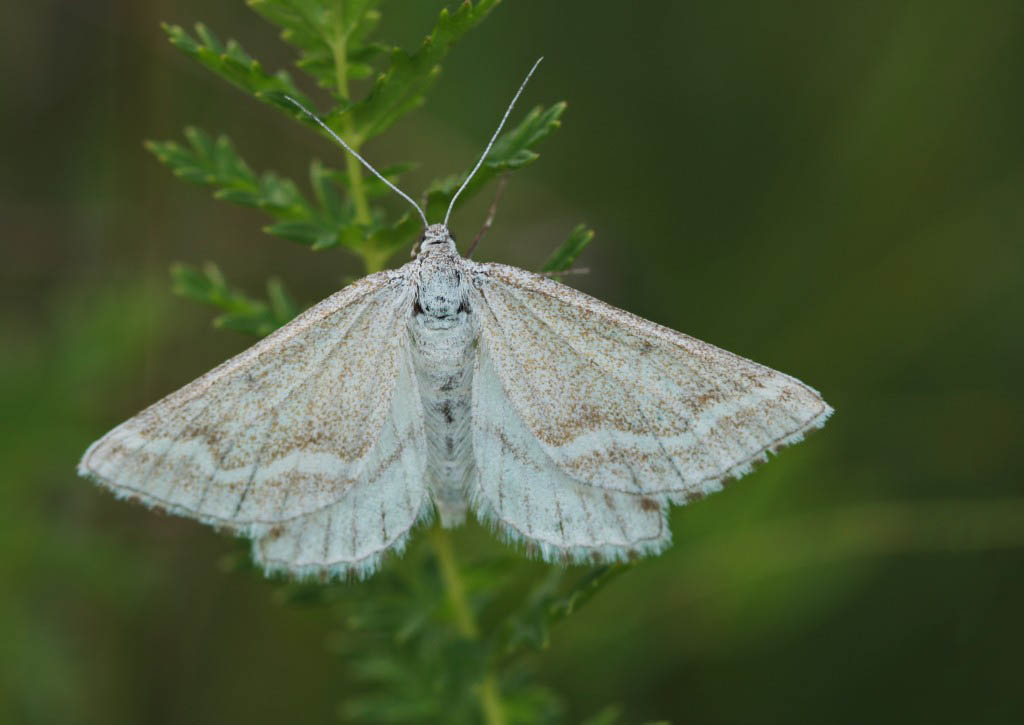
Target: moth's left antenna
[(493, 139), (363, 161)]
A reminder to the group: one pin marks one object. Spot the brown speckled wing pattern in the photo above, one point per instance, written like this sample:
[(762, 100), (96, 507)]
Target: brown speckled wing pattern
[(625, 415), (281, 442)]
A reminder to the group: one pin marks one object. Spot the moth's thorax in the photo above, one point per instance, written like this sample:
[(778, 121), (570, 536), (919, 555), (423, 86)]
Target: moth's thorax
[(441, 286)]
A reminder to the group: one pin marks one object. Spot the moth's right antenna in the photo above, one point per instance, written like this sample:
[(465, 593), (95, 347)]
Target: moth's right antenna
[(363, 161), (493, 139)]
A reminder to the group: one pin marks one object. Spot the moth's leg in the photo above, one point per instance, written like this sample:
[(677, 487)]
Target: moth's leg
[(502, 183)]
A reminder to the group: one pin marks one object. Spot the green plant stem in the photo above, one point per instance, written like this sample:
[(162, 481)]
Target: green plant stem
[(465, 623), (490, 701), (355, 172)]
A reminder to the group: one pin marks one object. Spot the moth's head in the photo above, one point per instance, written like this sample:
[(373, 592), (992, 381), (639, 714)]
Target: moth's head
[(436, 237)]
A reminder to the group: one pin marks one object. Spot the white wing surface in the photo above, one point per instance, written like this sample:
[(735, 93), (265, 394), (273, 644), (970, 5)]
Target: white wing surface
[(311, 431), (622, 404), (531, 499), (375, 514)]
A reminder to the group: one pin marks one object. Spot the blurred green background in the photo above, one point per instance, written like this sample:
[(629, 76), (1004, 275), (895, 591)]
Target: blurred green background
[(833, 189)]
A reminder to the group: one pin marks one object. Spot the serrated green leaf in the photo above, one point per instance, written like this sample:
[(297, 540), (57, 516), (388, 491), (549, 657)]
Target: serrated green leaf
[(531, 626), (565, 255), (323, 31), (231, 62), (512, 150), (239, 312), (304, 232), (400, 89), (214, 163)]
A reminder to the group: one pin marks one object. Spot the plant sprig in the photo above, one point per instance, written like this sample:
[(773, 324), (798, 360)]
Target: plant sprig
[(241, 313), (428, 638), (333, 43)]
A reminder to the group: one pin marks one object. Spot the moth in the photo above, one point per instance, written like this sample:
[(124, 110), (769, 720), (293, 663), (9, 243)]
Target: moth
[(449, 385)]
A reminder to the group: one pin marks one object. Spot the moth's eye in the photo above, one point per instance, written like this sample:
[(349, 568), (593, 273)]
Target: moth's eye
[(452, 236)]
